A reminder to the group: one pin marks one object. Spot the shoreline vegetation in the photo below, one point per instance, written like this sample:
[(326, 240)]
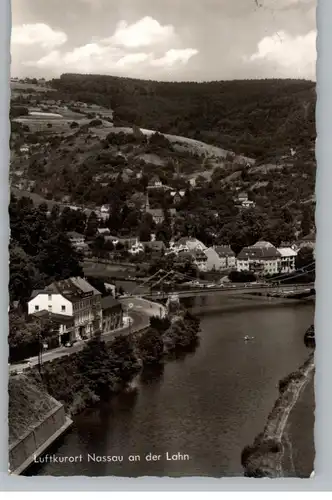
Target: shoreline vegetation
[(102, 370), (264, 458)]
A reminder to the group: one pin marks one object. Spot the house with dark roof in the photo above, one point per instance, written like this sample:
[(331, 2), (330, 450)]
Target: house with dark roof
[(220, 257), (112, 311), (73, 297), (262, 259)]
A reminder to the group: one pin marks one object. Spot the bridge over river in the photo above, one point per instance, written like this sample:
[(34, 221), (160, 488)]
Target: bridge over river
[(286, 290)]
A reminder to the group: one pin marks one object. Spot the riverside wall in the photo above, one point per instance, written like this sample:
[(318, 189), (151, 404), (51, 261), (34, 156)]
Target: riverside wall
[(37, 439)]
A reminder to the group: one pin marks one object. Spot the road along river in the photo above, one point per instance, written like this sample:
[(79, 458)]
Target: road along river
[(197, 413)]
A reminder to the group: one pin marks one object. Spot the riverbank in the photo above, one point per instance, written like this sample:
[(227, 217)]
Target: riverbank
[(265, 457), (101, 370), (208, 404)]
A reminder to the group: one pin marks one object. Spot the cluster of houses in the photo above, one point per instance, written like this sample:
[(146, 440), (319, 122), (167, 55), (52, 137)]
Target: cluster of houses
[(262, 258), (76, 309)]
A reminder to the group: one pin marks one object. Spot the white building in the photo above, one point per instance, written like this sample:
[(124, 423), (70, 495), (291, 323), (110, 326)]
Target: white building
[(288, 256), (220, 257), (73, 297), (244, 202), (103, 231), (104, 212), (136, 248), (77, 240), (262, 259)]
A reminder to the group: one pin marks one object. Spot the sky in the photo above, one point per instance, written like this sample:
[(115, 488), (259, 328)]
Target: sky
[(170, 40)]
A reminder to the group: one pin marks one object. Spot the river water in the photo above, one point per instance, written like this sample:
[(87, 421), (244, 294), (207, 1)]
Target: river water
[(207, 405)]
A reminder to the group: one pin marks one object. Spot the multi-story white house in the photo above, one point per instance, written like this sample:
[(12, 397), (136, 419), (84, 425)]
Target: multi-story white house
[(73, 297), (262, 259), (288, 256)]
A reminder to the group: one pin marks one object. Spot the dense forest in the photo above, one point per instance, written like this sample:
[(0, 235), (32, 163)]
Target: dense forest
[(40, 251), (252, 117)]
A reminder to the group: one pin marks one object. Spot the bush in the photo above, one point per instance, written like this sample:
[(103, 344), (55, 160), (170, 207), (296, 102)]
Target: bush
[(151, 346)]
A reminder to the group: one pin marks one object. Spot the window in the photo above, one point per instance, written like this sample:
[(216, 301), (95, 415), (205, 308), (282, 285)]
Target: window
[(49, 296), (63, 308), (50, 308), (36, 308)]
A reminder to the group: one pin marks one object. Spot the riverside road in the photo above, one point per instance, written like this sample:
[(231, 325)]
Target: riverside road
[(139, 311)]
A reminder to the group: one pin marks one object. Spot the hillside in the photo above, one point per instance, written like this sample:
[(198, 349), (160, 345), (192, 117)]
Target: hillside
[(73, 152), (28, 405), (256, 118)]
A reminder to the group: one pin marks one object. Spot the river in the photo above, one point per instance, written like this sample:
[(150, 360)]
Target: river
[(207, 406)]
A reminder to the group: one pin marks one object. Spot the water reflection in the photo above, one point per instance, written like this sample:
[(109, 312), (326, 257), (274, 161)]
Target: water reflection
[(208, 403), (152, 374)]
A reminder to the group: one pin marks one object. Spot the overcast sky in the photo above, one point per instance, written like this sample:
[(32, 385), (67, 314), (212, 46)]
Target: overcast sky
[(165, 39)]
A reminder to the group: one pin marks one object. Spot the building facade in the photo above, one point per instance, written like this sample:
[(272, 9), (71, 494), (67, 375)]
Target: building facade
[(112, 314), (73, 297), (288, 256), (227, 256), (262, 259)]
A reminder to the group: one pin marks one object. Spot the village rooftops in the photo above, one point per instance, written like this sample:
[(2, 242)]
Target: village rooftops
[(287, 252), (224, 251), (259, 253), (263, 244), (73, 288)]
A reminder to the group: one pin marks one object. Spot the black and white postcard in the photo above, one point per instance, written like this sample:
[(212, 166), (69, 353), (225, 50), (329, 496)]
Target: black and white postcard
[(162, 238)]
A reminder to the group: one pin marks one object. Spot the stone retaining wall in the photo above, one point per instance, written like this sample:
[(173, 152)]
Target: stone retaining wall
[(27, 446)]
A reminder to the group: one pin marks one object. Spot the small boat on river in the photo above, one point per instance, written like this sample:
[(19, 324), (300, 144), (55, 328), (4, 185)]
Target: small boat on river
[(247, 338)]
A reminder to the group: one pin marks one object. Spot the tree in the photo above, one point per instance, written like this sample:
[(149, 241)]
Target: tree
[(144, 232), (307, 220), (151, 346), (92, 226), (304, 258)]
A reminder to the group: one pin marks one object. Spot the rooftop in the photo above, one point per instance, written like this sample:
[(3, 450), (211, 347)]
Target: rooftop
[(72, 288), (259, 253), (287, 252), (57, 318), (224, 251)]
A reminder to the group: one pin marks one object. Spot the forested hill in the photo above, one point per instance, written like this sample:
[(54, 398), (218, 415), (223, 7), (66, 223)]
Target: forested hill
[(258, 118)]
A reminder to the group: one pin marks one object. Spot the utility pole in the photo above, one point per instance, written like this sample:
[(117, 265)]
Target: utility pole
[(40, 350)]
